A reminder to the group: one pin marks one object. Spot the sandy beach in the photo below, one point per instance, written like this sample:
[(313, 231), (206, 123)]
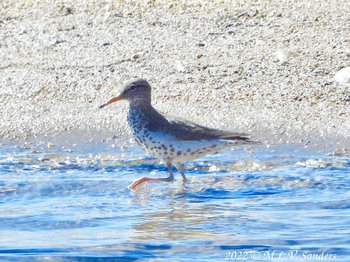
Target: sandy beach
[(264, 67)]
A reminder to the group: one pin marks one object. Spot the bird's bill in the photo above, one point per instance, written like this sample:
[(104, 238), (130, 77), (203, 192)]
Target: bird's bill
[(115, 99)]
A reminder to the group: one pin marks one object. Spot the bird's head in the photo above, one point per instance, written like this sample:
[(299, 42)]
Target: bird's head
[(137, 91)]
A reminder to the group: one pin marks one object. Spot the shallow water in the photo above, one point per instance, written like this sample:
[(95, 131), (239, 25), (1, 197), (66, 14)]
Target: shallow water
[(263, 204)]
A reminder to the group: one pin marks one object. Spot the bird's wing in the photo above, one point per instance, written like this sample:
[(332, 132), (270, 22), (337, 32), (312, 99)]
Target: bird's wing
[(186, 130)]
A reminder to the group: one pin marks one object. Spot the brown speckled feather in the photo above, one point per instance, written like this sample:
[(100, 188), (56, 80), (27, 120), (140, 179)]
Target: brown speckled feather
[(185, 130)]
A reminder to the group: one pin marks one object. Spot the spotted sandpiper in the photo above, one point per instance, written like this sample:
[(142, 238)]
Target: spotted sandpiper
[(172, 140)]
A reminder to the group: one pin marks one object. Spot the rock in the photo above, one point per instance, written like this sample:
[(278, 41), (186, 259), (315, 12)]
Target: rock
[(179, 66), (282, 55), (343, 76), (66, 10)]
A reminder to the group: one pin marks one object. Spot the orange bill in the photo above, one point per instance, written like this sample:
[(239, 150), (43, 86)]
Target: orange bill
[(115, 99)]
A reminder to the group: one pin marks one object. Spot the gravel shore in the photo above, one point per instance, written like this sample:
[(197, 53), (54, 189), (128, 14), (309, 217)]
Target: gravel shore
[(263, 67)]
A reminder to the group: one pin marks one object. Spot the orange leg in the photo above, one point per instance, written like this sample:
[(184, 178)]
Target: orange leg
[(137, 183), (179, 167)]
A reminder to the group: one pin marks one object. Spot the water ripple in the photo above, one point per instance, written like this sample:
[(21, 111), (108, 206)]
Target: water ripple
[(71, 206)]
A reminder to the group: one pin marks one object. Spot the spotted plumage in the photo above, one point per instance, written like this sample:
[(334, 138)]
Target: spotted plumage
[(172, 140)]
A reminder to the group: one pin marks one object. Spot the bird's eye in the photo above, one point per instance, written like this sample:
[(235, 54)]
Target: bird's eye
[(132, 88)]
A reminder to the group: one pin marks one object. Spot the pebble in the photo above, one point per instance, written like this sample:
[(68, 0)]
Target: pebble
[(343, 76), (179, 66), (283, 55)]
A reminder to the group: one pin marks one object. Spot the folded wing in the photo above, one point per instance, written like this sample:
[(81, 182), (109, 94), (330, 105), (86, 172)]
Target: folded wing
[(186, 131)]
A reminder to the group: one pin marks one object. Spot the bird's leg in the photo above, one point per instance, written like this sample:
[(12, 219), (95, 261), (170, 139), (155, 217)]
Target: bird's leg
[(179, 167), (137, 183)]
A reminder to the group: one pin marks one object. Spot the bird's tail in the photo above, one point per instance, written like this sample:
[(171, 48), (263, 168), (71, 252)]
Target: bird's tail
[(243, 139)]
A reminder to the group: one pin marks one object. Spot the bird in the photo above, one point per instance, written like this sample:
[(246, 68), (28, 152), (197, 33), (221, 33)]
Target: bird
[(172, 140)]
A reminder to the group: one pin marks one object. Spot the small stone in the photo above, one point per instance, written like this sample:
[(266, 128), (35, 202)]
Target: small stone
[(66, 10), (343, 76), (282, 55), (179, 66), (50, 145)]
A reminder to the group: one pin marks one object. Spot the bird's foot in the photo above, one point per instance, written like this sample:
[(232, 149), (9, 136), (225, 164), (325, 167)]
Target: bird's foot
[(138, 182)]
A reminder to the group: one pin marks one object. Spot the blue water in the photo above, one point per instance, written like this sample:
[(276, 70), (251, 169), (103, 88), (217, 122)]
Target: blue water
[(264, 204)]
